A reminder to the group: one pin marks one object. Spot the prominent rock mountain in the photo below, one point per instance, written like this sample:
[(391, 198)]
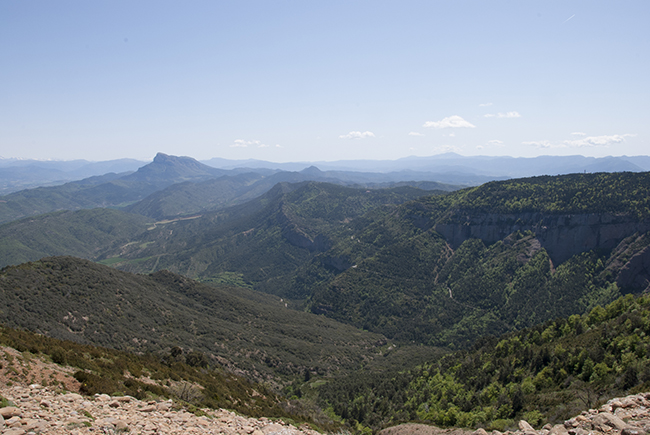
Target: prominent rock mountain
[(166, 170), (107, 191)]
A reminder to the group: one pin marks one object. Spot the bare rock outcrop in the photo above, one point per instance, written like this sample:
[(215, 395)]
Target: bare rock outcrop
[(41, 410), (561, 235)]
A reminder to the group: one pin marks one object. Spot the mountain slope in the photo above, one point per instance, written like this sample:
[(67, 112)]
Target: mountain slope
[(502, 256), (264, 240), (118, 237), (82, 233), (185, 199), (74, 299)]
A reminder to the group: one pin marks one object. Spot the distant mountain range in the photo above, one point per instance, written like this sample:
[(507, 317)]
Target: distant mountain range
[(450, 168), (194, 187), (18, 174), (448, 164)]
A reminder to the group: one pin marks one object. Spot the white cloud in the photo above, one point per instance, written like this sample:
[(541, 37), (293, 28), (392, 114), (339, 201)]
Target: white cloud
[(413, 133), (597, 141), (579, 133), (241, 143), (495, 142), (485, 105), (512, 114), (447, 149), (454, 121), (357, 135), (509, 115), (542, 144), (590, 141)]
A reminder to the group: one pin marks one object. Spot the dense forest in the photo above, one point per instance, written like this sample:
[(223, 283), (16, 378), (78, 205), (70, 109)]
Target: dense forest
[(546, 373)]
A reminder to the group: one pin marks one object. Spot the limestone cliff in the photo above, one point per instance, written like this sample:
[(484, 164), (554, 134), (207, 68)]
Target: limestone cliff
[(562, 235)]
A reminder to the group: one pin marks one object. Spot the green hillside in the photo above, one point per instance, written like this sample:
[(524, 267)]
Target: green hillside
[(82, 233), (251, 333), (264, 241), (619, 192), (445, 270), (542, 374)]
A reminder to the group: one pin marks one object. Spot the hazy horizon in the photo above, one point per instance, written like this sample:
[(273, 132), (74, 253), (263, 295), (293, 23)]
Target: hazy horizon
[(293, 81), (447, 154)]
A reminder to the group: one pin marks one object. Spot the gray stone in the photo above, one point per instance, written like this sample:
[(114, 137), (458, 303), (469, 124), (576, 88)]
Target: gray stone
[(13, 422), (72, 397), (10, 411), (525, 427), (606, 419), (558, 429)]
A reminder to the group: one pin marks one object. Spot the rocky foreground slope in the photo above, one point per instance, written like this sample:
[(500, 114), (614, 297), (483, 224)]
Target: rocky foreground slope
[(41, 410)]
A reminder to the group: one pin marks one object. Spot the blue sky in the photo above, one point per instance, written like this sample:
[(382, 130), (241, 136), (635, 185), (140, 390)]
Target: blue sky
[(323, 80)]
